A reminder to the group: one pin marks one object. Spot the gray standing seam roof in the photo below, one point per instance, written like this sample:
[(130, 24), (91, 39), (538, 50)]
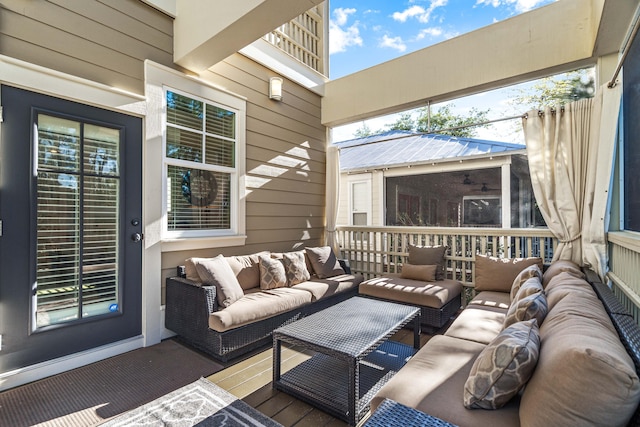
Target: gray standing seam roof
[(395, 148)]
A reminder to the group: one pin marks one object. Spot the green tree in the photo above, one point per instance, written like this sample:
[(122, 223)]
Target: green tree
[(404, 122), (556, 90), (363, 131), (441, 119)]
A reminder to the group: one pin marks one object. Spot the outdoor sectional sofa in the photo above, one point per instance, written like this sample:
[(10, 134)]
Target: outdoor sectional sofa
[(494, 366), (228, 306)]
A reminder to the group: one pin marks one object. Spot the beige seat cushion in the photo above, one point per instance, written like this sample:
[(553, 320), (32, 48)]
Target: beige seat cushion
[(477, 323), (490, 299), (433, 382), (322, 288), (257, 305), (428, 294), (498, 274), (584, 375)]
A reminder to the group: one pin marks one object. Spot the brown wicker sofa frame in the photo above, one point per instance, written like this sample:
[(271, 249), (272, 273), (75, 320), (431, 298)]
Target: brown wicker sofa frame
[(187, 309)]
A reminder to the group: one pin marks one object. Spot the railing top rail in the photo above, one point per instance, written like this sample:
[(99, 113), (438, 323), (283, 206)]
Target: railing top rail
[(461, 231)]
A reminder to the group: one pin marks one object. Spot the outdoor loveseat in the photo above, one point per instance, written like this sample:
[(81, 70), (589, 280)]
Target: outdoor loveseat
[(228, 306), (530, 349)]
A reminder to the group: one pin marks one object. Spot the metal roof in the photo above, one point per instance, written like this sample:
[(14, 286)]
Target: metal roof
[(395, 148)]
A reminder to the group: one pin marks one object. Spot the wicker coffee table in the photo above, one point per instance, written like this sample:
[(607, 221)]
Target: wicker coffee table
[(354, 357)]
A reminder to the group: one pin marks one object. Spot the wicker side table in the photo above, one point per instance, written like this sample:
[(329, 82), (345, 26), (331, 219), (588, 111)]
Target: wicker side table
[(391, 413), (354, 357)]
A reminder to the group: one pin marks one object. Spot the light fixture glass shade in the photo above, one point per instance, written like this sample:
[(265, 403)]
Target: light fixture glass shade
[(275, 88)]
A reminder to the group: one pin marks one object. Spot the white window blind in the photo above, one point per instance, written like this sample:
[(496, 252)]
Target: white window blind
[(201, 167)]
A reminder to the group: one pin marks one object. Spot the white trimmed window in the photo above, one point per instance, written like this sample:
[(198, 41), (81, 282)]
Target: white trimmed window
[(360, 202), (201, 170)]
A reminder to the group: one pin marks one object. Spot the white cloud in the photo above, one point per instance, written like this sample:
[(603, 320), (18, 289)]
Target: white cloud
[(421, 14), (519, 5), (342, 36), (408, 13), (393, 42), (431, 32)]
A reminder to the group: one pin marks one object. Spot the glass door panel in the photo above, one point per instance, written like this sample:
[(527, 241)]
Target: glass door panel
[(78, 217)]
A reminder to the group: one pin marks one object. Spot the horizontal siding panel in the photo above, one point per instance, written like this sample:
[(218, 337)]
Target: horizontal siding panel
[(301, 150), (275, 236), (280, 159), (259, 168), (44, 57), (256, 183), (282, 223), (283, 209), (100, 33), (131, 17), (271, 196), (69, 45), (261, 133)]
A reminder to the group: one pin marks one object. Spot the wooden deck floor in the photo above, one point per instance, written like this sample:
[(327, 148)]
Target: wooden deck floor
[(250, 380)]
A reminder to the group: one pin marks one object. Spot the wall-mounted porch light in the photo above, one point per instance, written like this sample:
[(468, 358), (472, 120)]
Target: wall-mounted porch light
[(275, 88)]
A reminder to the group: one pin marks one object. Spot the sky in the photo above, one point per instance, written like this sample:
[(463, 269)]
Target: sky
[(364, 33)]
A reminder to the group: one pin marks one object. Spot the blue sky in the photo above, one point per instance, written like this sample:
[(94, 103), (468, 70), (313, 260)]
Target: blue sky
[(364, 33)]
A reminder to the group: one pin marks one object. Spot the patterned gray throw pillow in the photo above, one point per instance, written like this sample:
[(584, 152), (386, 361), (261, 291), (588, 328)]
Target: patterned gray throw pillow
[(530, 307), (503, 367), (295, 267), (272, 273)]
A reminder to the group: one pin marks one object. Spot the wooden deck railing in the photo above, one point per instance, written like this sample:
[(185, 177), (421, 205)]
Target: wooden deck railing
[(302, 38), (373, 251), (624, 266)]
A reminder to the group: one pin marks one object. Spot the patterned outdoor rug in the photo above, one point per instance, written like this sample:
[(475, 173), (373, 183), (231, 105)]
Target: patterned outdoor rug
[(201, 404)]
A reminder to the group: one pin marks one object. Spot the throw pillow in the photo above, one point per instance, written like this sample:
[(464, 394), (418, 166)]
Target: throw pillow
[(530, 307), (217, 272), (272, 273), (324, 261), (561, 266), (429, 255), (503, 367), (533, 271), (530, 287), (425, 273), (498, 274), (246, 269), (295, 267)]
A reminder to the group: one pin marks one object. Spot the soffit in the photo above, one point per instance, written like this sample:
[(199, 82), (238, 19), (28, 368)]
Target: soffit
[(207, 31)]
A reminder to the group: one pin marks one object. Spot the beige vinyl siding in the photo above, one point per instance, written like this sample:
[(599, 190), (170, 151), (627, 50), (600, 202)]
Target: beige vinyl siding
[(103, 41), (285, 164)]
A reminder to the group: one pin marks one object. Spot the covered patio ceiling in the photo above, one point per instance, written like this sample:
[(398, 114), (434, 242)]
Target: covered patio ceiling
[(559, 37)]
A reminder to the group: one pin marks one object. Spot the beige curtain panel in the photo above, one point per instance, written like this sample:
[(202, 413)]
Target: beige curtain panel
[(332, 198), (570, 152)]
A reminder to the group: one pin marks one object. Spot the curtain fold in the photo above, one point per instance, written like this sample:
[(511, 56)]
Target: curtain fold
[(332, 192), (570, 152)]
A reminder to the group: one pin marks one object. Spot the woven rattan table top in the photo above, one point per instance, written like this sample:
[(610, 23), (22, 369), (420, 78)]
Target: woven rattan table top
[(350, 328)]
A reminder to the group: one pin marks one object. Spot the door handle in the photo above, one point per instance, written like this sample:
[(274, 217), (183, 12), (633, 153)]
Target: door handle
[(136, 237)]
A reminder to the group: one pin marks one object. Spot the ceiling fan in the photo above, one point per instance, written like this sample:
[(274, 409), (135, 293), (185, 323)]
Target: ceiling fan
[(466, 180)]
